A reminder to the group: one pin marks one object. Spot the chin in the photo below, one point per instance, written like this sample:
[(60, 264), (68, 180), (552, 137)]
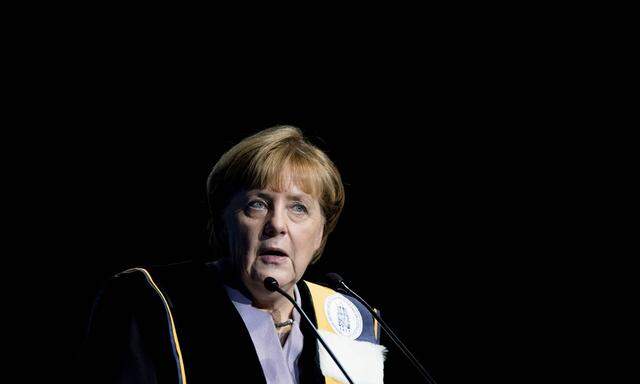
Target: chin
[(282, 274)]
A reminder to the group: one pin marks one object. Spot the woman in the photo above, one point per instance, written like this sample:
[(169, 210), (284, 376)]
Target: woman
[(274, 200)]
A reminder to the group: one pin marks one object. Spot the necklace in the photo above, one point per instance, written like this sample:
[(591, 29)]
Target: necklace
[(284, 323)]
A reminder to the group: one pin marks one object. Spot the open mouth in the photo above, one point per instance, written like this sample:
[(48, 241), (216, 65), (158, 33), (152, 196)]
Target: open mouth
[(272, 252), (270, 255)]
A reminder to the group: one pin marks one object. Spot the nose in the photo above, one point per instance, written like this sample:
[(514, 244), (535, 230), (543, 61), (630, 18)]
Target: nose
[(276, 224)]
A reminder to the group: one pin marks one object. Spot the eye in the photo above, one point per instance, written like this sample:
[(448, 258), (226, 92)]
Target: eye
[(257, 204), (299, 208)]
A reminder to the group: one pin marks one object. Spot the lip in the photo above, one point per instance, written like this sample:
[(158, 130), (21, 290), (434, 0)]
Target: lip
[(273, 259), (273, 255), (272, 251)]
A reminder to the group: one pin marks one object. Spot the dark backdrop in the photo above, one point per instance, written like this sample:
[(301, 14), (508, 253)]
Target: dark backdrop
[(450, 180), (474, 152), (439, 223)]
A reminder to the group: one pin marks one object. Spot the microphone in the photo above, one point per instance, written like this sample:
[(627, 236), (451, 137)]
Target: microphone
[(272, 285), (338, 284)]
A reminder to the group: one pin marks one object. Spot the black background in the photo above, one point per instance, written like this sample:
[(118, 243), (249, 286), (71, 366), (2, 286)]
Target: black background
[(440, 222), (454, 174)]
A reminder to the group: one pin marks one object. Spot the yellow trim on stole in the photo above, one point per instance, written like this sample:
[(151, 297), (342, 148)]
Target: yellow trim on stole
[(375, 325), (183, 378), (319, 295)]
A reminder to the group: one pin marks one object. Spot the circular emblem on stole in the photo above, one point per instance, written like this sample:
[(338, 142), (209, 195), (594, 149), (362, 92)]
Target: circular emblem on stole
[(343, 316)]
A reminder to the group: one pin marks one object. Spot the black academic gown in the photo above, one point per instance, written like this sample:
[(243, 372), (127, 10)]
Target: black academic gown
[(129, 337)]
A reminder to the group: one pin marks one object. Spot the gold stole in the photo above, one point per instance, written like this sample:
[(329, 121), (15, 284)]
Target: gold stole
[(319, 294)]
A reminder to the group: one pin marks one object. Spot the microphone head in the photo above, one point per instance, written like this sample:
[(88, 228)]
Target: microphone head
[(334, 279), (271, 284)]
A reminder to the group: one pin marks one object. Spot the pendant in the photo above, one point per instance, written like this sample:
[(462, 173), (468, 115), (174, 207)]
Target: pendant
[(284, 323)]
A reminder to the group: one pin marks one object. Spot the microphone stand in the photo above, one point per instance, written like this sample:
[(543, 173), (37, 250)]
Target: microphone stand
[(340, 285)]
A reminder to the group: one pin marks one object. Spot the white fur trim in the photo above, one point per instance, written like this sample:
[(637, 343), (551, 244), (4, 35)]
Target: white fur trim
[(363, 361)]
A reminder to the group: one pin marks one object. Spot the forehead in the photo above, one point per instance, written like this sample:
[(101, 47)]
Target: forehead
[(289, 182)]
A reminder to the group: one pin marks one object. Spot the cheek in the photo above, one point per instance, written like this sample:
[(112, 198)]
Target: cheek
[(310, 241), (319, 234), (318, 231), (243, 234)]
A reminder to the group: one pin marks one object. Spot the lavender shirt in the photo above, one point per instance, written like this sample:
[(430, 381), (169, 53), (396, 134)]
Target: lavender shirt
[(279, 362)]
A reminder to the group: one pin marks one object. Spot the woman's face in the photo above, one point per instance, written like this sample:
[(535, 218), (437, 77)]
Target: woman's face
[(273, 234)]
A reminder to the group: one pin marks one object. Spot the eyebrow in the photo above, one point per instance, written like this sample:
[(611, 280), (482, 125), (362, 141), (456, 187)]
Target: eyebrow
[(289, 196)]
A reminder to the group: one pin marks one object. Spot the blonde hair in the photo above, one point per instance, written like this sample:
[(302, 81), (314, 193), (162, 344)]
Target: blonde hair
[(264, 160)]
